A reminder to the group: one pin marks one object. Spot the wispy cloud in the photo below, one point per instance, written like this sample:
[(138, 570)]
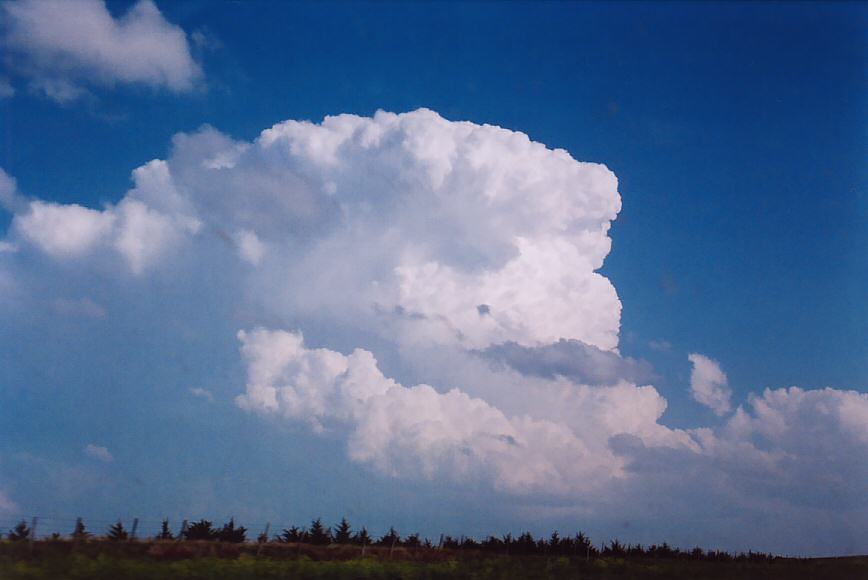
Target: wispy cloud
[(660, 345), (202, 394), (6, 89), (98, 452), (81, 307)]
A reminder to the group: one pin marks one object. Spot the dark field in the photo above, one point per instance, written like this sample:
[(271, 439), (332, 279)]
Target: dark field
[(60, 560)]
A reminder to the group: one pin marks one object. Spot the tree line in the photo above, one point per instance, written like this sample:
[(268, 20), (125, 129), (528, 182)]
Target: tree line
[(319, 534)]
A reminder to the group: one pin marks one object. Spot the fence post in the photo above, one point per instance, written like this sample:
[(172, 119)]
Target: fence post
[(133, 531), (392, 547), (183, 530), (32, 532), (263, 538), (364, 545)]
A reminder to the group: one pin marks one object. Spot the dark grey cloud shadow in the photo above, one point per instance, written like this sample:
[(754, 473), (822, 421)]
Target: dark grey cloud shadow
[(571, 359)]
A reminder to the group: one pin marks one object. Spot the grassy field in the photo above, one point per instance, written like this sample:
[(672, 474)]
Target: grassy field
[(155, 560)]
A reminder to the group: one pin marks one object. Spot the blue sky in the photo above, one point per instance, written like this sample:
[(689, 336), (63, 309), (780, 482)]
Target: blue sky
[(736, 132)]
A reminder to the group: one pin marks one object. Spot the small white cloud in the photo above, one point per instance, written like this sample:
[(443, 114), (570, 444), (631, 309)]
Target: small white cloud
[(250, 248), (7, 506), (63, 45), (98, 452), (709, 385), (202, 394), (8, 247)]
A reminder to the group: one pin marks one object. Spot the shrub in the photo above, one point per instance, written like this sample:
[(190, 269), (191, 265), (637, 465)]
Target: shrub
[(20, 532), (201, 530), (117, 533)]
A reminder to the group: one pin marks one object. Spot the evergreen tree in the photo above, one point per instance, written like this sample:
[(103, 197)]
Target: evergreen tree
[(291, 535), (20, 532), (508, 542), (555, 543), (343, 533), (615, 549), (229, 533), (412, 541), (582, 545), (525, 544), (201, 530), (450, 543), (362, 538), (117, 533), (492, 544), (665, 551), (390, 539), (319, 535), (80, 532), (165, 532)]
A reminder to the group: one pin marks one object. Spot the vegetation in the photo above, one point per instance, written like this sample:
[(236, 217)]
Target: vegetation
[(117, 533), (229, 533), (80, 532), (201, 550), (343, 533), (110, 566), (201, 530), (19, 532), (319, 535), (165, 532)]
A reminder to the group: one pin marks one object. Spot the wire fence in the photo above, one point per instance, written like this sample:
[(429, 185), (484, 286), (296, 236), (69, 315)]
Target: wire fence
[(63, 526), (57, 526)]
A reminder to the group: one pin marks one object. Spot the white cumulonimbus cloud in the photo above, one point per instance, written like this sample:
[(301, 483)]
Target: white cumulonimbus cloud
[(443, 227), (63, 46), (709, 385), (470, 255)]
